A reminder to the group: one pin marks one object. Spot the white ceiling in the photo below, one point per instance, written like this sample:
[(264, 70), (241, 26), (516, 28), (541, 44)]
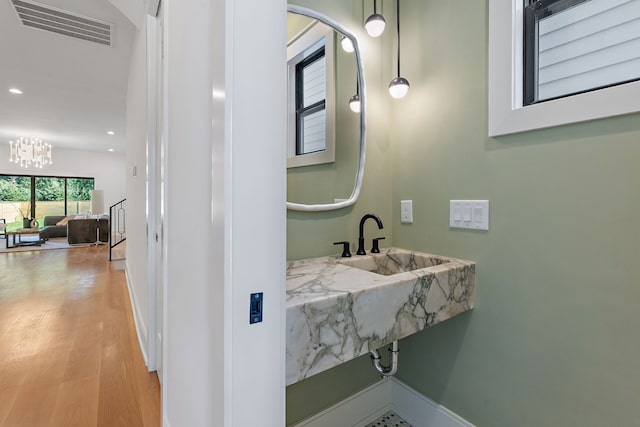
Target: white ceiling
[(74, 90)]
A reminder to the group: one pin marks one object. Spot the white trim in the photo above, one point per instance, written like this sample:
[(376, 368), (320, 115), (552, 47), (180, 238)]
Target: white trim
[(153, 6), (152, 197), (359, 409), (385, 395), (141, 329), (420, 411), (506, 113)]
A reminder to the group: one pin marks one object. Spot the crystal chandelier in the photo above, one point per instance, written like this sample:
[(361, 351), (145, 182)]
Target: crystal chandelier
[(30, 151)]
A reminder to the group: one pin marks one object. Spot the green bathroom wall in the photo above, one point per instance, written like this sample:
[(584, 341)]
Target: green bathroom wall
[(553, 340)]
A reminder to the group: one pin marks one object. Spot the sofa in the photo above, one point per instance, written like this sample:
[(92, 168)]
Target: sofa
[(80, 230), (88, 230), (50, 229)]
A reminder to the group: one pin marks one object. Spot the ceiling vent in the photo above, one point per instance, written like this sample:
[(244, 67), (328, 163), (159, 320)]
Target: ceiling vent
[(43, 17)]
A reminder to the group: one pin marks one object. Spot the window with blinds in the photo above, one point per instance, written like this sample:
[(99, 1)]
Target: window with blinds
[(311, 92), (311, 104), (575, 46)]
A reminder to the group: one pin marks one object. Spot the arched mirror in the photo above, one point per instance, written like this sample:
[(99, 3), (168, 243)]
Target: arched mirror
[(326, 138)]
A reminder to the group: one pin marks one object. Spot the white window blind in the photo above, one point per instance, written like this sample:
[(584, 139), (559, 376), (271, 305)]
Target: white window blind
[(315, 131), (591, 45), (315, 82)]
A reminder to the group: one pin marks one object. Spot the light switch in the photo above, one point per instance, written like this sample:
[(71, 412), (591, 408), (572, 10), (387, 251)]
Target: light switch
[(466, 213), (470, 214), (477, 214), (457, 213)]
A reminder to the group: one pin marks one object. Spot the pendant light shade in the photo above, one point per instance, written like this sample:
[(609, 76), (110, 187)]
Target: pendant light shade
[(375, 23), (399, 86), (354, 103), (347, 44)]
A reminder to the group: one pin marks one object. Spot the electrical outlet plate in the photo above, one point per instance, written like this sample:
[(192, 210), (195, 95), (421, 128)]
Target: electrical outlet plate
[(469, 214)]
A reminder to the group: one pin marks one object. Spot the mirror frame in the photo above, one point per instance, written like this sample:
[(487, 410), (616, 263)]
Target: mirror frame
[(363, 108)]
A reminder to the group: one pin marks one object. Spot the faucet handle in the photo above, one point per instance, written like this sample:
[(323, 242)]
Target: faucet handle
[(375, 249), (345, 248)]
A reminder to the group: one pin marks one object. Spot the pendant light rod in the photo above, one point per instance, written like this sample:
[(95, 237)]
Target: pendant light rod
[(375, 23), (399, 85), (398, 31)]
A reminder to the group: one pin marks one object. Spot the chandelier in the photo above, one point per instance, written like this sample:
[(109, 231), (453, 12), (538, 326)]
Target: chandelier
[(30, 151)]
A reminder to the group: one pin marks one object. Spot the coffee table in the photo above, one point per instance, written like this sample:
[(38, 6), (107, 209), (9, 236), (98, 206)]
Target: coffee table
[(11, 236)]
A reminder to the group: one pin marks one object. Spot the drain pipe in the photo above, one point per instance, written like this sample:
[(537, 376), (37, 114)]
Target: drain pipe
[(386, 371)]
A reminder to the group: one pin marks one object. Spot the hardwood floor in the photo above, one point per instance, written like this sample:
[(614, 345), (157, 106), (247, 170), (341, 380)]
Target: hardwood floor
[(69, 354)]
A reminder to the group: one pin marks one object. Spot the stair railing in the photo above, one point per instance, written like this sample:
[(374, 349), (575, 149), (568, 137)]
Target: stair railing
[(117, 228)]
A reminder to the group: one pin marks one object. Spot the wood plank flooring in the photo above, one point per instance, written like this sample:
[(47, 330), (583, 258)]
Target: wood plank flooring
[(69, 354)]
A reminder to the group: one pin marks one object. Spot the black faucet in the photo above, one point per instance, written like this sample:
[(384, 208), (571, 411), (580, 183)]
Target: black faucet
[(361, 235)]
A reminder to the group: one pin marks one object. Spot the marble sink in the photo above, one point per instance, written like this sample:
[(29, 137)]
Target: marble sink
[(390, 263), (341, 308)]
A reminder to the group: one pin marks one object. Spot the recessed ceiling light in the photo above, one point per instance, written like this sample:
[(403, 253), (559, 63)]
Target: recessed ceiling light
[(110, 132), (111, 150), (16, 91)]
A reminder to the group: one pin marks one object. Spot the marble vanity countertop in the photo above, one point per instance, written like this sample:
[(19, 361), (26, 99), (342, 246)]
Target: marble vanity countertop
[(336, 312)]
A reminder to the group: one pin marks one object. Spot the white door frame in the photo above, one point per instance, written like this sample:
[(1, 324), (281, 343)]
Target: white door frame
[(225, 162), (154, 191)]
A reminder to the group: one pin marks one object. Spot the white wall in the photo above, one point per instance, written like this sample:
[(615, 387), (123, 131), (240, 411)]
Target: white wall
[(137, 261), (191, 370), (108, 169), (227, 164)]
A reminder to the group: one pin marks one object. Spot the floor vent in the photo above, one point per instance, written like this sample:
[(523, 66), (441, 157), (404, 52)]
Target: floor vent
[(43, 17), (389, 419)]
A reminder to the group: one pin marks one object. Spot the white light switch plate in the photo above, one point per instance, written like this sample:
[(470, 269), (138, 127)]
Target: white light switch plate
[(406, 211), (469, 214)]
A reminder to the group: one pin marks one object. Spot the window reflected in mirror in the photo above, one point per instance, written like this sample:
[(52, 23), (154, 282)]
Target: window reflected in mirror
[(311, 99)]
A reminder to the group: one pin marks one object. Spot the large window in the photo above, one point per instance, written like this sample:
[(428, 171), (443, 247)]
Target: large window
[(29, 196), (49, 196), (574, 46)]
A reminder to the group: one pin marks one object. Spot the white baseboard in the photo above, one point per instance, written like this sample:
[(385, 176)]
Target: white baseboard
[(141, 328), (357, 410), (385, 395), (420, 411)]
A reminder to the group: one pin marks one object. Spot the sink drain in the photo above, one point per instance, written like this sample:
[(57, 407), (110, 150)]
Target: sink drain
[(390, 419)]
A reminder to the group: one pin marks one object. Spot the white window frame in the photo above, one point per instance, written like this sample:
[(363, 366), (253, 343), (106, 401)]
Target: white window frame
[(506, 113), (300, 43)]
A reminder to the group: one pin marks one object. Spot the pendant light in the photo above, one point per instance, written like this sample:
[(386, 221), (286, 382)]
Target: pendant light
[(399, 86), (375, 23), (354, 101), (347, 44)]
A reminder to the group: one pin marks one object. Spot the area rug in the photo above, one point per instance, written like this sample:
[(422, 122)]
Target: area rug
[(55, 243)]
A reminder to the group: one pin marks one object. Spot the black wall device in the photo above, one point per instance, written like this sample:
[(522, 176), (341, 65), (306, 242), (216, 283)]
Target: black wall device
[(255, 308)]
